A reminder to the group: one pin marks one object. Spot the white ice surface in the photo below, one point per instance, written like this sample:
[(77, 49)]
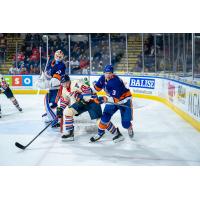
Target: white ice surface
[(161, 138)]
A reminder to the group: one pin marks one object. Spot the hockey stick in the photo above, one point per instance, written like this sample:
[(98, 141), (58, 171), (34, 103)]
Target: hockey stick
[(61, 124), (24, 147), (135, 107), (118, 104)]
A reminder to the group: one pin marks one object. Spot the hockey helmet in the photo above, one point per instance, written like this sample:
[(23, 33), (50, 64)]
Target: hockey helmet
[(59, 55), (108, 68)]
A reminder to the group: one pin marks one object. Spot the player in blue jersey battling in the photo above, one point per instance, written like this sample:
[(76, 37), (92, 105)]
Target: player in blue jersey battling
[(54, 70), (118, 98)]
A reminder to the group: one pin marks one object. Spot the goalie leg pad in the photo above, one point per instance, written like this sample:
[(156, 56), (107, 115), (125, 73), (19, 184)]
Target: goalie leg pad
[(50, 113)]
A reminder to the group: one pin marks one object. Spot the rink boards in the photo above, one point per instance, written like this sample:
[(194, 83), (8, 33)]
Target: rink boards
[(182, 97)]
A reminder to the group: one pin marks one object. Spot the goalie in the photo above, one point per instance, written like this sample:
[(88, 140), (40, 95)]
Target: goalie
[(55, 69), (5, 89)]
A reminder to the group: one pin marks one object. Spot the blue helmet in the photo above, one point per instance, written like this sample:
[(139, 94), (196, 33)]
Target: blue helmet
[(108, 68), (65, 78)]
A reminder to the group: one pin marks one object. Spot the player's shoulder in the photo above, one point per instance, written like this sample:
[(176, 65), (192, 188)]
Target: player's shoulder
[(102, 78), (52, 62), (62, 64), (114, 78)]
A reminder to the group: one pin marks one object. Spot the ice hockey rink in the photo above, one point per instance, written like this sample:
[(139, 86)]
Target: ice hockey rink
[(161, 138)]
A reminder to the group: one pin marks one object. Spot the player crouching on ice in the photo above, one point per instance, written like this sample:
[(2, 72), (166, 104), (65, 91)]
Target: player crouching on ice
[(4, 88), (119, 98), (55, 69), (76, 99)]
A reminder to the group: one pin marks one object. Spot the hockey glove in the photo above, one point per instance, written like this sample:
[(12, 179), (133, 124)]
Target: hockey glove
[(59, 112), (98, 100), (78, 96)]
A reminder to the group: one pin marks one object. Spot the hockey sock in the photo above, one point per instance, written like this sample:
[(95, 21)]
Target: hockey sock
[(69, 121), (111, 128), (15, 103)]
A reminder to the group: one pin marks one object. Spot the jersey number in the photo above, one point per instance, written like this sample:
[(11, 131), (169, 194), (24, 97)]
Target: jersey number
[(58, 72), (114, 92)]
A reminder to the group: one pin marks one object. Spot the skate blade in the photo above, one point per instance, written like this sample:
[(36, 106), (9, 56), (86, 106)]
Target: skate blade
[(119, 140), (101, 141), (67, 139)]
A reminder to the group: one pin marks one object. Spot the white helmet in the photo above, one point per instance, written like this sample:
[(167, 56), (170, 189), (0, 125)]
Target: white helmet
[(59, 55)]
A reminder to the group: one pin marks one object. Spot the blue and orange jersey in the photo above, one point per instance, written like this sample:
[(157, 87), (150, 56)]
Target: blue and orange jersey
[(114, 87), (56, 69)]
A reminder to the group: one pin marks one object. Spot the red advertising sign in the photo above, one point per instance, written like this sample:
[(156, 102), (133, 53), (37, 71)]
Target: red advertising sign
[(16, 81)]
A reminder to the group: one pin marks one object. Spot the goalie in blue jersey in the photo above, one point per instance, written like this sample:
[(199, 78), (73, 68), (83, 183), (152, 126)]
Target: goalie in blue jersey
[(54, 70)]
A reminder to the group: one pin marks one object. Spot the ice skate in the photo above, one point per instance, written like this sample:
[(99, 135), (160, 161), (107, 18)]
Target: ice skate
[(131, 133), (68, 136), (96, 137), (118, 136)]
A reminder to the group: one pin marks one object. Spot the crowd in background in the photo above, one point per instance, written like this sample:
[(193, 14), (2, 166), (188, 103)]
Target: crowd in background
[(28, 54), (2, 47)]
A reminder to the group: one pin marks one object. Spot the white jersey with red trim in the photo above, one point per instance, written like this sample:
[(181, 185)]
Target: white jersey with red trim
[(77, 87)]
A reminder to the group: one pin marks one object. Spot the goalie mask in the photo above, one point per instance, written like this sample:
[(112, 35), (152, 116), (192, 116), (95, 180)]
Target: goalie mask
[(59, 55)]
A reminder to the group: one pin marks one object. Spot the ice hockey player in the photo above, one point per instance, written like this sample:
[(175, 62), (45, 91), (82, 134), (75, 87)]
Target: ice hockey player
[(4, 88), (118, 98), (75, 100), (54, 70), (77, 97)]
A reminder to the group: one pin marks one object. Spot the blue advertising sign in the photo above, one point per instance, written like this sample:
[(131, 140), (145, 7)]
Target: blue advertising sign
[(142, 83), (27, 81)]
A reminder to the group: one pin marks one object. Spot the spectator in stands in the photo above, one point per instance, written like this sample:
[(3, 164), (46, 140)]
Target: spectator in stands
[(12, 70), (74, 62), (84, 64), (75, 67), (32, 69), (23, 70), (100, 66), (35, 57)]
